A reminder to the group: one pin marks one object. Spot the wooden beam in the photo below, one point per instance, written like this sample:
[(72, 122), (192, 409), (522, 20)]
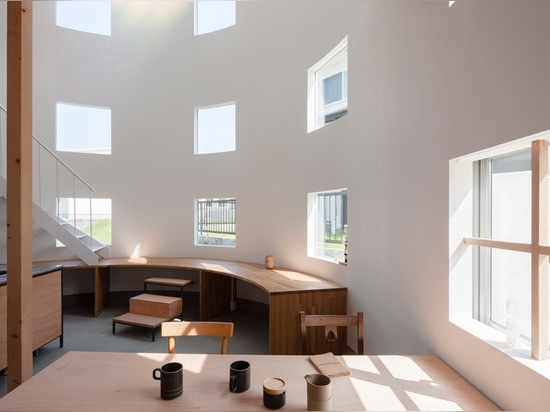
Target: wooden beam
[(498, 244), (19, 191), (539, 263)]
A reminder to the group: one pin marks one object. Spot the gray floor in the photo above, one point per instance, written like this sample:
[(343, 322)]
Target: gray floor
[(84, 332)]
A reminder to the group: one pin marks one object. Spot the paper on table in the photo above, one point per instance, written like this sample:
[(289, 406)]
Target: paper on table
[(327, 364)]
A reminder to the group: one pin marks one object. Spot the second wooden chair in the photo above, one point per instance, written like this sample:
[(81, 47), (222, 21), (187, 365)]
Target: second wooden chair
[(333, 327), (172, 329)]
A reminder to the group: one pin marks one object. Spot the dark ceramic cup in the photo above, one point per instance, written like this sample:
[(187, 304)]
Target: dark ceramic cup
[(239, 376), (170, 376), (274, 393)]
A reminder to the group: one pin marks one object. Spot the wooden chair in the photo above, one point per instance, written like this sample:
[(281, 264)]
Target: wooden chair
[(333, 325), (172, 329)]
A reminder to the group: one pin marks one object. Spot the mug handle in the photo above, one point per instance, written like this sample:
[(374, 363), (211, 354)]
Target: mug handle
[(233, 383), (155, 375)]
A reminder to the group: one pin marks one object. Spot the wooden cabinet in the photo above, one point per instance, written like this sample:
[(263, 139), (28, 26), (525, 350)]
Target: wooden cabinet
[(46, 311)]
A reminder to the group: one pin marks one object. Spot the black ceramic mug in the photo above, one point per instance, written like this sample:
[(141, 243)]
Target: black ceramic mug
[(239, 376), (170, 376)]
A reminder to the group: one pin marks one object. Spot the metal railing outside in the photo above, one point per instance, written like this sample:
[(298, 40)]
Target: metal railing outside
[(216, 217), (333, 208)]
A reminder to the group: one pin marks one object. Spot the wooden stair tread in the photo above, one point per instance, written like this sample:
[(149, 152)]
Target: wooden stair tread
[(148, 297), (168, 281), (136, 319)]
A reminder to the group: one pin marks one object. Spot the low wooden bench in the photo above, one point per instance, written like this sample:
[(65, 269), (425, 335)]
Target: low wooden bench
[(149, 311), (175, 282)]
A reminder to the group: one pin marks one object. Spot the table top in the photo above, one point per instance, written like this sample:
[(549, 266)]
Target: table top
[(90, 381), (273, 281)]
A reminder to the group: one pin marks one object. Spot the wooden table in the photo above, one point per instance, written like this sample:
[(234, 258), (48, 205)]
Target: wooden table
[(91, 381), (289, 291)]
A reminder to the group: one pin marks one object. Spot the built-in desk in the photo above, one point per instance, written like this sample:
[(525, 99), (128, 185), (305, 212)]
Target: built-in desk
[(47, 317), (289, 291)]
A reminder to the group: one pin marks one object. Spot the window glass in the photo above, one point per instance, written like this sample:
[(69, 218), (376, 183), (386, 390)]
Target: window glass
[(511, 197), (87, 16), (328, 88), (213, 15), (215, 129), (511, 292), (83, 129), (328, 225), (216, 222), (91, 216), (504, 282)]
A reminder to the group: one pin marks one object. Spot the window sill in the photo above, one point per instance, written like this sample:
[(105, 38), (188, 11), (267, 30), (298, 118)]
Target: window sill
[(497, 340), (329, 260)]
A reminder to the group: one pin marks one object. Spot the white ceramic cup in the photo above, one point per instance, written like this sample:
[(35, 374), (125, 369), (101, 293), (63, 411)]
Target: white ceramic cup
[(319, 392)]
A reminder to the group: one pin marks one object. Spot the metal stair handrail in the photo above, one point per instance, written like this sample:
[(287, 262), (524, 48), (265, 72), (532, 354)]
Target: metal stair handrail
[(59, 160), (66, 192)]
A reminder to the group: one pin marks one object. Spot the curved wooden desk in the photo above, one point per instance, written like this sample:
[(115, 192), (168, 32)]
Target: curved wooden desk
[(289, 291)]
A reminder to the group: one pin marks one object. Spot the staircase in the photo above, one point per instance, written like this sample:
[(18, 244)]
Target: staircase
[(81, 244)]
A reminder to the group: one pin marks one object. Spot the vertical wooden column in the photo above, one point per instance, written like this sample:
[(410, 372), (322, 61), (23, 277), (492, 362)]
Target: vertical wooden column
[(19, 191), (539, 262)]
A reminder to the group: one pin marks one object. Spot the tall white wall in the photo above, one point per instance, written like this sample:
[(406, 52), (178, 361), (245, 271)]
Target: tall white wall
[(427, 83)]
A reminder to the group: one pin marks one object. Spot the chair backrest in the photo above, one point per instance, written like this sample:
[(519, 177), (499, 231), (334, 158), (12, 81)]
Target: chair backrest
[(334, 325), (172, 329)]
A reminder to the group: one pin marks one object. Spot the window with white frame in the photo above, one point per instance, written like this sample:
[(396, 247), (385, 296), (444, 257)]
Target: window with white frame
[(213, 15), (216, 222), (328, 225), (328, 88), (87, 16), (91, 216), (83, 129), (504, 253), (215, 129)]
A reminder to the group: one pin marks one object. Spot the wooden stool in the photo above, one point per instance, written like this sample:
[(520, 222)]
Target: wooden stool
[(149, 311), (176, 282)]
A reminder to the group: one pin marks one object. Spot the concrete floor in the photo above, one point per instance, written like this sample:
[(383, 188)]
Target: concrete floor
[(84, 332)]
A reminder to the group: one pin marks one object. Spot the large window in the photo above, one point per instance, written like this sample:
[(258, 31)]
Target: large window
[(83, 129), (328, 87), (501, 245), (503, 186), (328, 225), (88, 16), (212, 15), (216, 222), (215, 129)]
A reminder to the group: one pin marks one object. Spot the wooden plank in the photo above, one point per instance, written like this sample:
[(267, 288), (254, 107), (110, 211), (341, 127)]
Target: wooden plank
[(19, 191), (102, 288), (3, 327), (215, 295), (176, 282), (46, 314), (136, 319), (498, 244), (539, 263)]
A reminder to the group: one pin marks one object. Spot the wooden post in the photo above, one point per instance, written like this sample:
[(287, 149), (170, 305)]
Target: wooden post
[(539, 262), (19, 191)]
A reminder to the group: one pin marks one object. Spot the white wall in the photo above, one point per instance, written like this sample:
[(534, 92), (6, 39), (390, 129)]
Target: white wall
[(427, 83)]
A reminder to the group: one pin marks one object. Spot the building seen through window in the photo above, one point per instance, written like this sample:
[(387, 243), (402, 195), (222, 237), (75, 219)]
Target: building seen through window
[(328, 88)]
